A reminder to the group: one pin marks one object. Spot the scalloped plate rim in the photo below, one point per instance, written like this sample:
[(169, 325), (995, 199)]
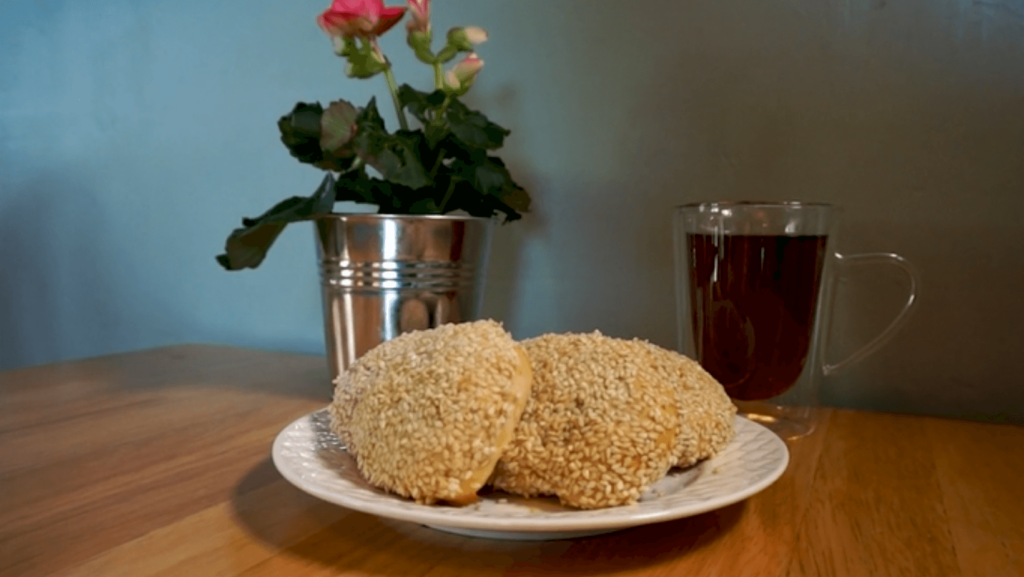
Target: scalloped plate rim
[(583, 521)]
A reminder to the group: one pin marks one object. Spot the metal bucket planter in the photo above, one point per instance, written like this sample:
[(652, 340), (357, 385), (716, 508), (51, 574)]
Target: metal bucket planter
[(384, 275)]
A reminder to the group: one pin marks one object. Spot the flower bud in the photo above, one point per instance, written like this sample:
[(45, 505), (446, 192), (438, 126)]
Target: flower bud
[(451, 83), (420, 44), (462, 75), (476, 34), (464, 39), (468, 67), (420, 16)]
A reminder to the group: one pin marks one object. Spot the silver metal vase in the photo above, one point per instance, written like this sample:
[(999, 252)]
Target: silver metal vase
[(384, 275)]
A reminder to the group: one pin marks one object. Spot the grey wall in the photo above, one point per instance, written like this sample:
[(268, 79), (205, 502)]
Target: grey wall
[(133, 135)]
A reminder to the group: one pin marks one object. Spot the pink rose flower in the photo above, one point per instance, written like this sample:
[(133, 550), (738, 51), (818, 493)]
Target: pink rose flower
[(348, 18), (420, 11)]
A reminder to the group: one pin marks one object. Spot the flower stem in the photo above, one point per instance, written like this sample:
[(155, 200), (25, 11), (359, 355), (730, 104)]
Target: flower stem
[(447, 195), (392, 85), (438, 76), (437, 163), (393, 88)]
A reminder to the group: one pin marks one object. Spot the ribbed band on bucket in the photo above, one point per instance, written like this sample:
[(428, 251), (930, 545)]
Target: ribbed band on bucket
[(434, 276)]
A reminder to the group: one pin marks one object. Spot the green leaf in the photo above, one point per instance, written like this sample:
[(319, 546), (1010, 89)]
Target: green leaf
[(497, 181), (466, 197), (400, 161), (395, 156), (474, 128), (491, 176), (391, 198), (427, 109), (456, 149), (435, 134), (420, 103), (425, 206), (459, 174), (301, 132), (517, 199), (338, 126), (357, 187), (246, 247), (488, 187)]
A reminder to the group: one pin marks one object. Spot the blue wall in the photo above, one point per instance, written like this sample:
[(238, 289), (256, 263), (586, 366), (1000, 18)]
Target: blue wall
[(135, 135)]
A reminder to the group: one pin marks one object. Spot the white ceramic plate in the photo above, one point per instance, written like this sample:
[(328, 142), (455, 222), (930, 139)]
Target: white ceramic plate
[(310, 457)]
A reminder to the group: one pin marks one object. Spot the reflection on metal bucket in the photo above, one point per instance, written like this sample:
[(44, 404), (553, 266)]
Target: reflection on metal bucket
[(384, 275)]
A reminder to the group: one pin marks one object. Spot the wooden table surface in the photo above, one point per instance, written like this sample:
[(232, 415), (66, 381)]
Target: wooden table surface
[(158, 463)]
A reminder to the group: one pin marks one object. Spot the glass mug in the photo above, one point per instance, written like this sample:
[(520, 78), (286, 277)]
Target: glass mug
[(754, 288)]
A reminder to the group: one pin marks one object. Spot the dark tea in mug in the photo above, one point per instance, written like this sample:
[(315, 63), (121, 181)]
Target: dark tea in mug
[(755, 286), (753, 300)]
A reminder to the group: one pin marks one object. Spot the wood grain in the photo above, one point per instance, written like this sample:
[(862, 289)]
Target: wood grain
[(157, 463), (876, 503), (979, 471)]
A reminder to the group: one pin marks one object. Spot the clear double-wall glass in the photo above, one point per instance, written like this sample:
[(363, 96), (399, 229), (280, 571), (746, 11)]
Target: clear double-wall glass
[(754, 285)]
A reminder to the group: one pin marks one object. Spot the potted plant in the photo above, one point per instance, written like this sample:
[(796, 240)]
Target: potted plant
[(414, 264)]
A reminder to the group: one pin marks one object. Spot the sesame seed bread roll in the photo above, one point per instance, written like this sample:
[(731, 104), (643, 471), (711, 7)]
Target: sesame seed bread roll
[(708, 412), (608, 417), (427, 414), (600, 426)]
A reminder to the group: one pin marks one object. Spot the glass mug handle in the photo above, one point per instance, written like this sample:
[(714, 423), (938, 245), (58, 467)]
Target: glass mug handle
[(885, 335)]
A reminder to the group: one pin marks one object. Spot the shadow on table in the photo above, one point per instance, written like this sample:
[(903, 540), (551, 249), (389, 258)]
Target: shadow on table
[(313, 533)]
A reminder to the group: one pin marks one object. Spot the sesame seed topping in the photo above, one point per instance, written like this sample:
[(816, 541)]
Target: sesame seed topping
[(427, 414), (608, 417)]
